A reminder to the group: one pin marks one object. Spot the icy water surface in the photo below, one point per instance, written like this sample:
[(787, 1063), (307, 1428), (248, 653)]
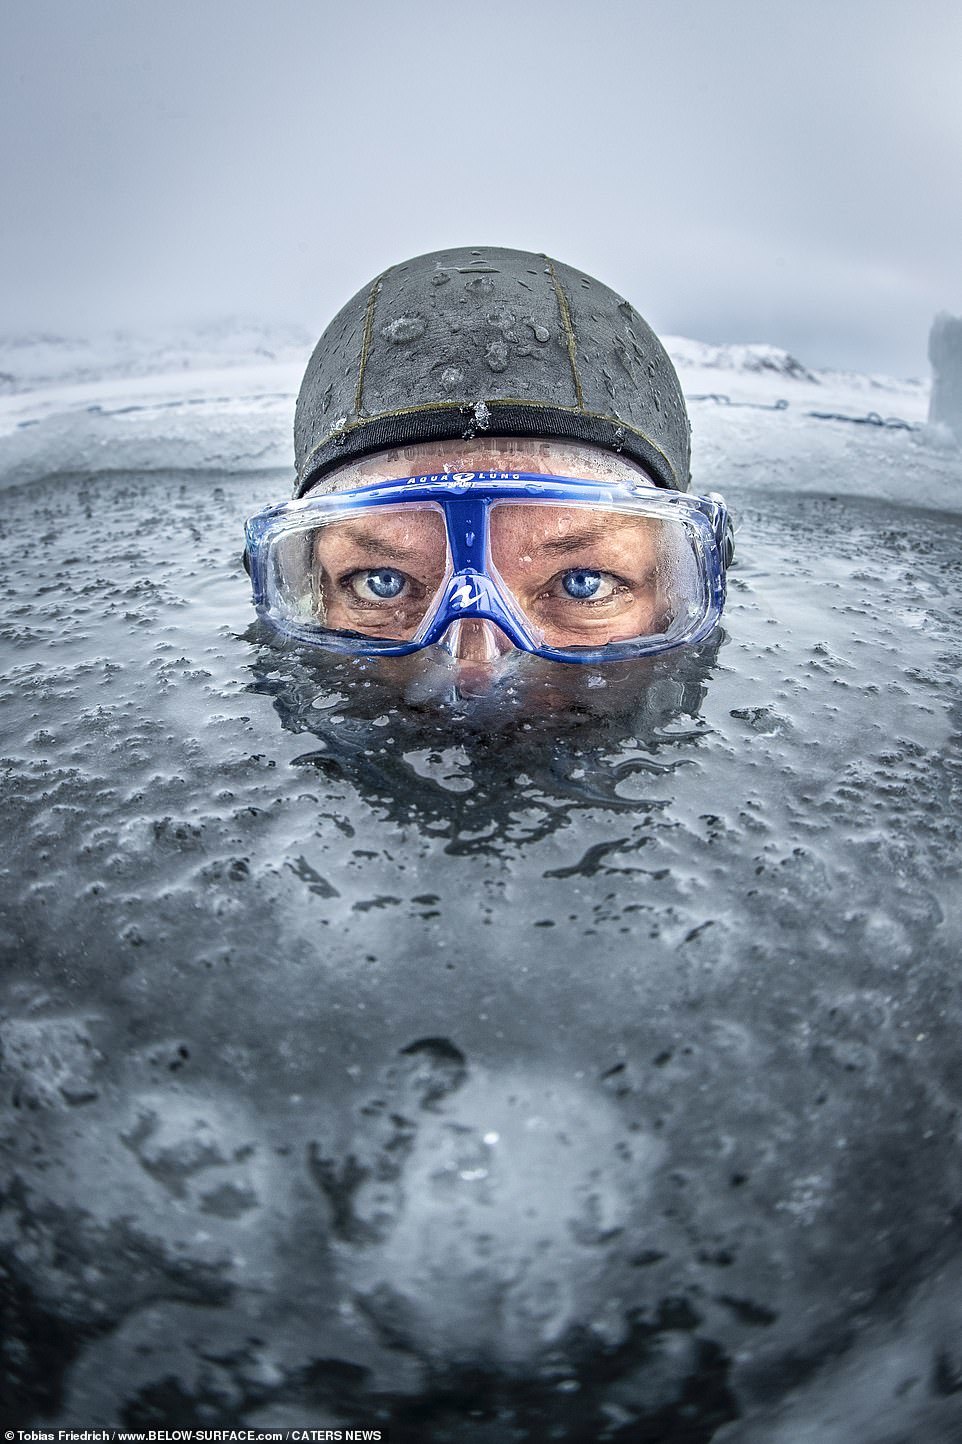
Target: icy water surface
[(583, 1063)]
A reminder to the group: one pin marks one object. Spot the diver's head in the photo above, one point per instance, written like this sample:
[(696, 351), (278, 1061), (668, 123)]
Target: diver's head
[(492, 458)]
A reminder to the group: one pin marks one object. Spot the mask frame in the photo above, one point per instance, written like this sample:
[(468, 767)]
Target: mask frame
[(472, 587)]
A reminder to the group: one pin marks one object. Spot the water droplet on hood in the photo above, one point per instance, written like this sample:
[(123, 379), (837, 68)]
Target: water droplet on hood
[(496, 356), (403, 329)]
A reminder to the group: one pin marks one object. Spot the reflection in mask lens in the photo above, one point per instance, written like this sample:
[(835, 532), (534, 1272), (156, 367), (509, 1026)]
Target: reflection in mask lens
[(586, 576), (377, 573)]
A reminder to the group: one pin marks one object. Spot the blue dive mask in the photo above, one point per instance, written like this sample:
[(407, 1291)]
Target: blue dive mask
[(576, 571)]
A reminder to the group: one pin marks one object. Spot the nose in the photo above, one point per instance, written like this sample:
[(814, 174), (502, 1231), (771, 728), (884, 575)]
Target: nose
[(478, 647), (476, 640)]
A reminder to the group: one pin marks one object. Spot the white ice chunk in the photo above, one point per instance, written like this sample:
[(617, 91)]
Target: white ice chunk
[(945, 354)]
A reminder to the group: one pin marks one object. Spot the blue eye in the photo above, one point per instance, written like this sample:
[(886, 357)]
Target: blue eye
[(581, 584), (383, 583)]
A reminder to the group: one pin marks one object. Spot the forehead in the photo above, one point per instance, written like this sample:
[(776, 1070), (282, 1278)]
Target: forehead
[(487, 453), (547, 520)]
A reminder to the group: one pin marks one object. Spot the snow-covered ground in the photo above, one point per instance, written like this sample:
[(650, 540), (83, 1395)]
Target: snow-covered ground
[(223, 397), (220, 398)]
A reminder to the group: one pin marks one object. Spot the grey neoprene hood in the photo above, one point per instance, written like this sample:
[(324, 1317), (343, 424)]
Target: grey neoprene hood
[(466, 342)]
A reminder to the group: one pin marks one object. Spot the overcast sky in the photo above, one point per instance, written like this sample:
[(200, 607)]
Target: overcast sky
[(742, 170)]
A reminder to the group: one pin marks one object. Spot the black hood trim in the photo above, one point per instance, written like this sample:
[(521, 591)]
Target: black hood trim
[(456, 421)]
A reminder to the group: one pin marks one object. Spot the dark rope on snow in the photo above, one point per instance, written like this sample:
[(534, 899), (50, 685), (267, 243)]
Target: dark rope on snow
[(721, 399), (890, 423)]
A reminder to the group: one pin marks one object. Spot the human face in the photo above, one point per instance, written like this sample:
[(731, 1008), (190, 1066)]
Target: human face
[(581, 579), (576, 561), (581, 585)]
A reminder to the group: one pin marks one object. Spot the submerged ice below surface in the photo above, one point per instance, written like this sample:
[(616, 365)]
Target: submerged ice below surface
[(583, 1063)]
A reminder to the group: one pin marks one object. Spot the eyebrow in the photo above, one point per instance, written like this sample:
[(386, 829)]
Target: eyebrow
[(374, 544), (575, 539)]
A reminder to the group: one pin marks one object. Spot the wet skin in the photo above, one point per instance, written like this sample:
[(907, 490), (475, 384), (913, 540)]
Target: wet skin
[(582, 578)]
